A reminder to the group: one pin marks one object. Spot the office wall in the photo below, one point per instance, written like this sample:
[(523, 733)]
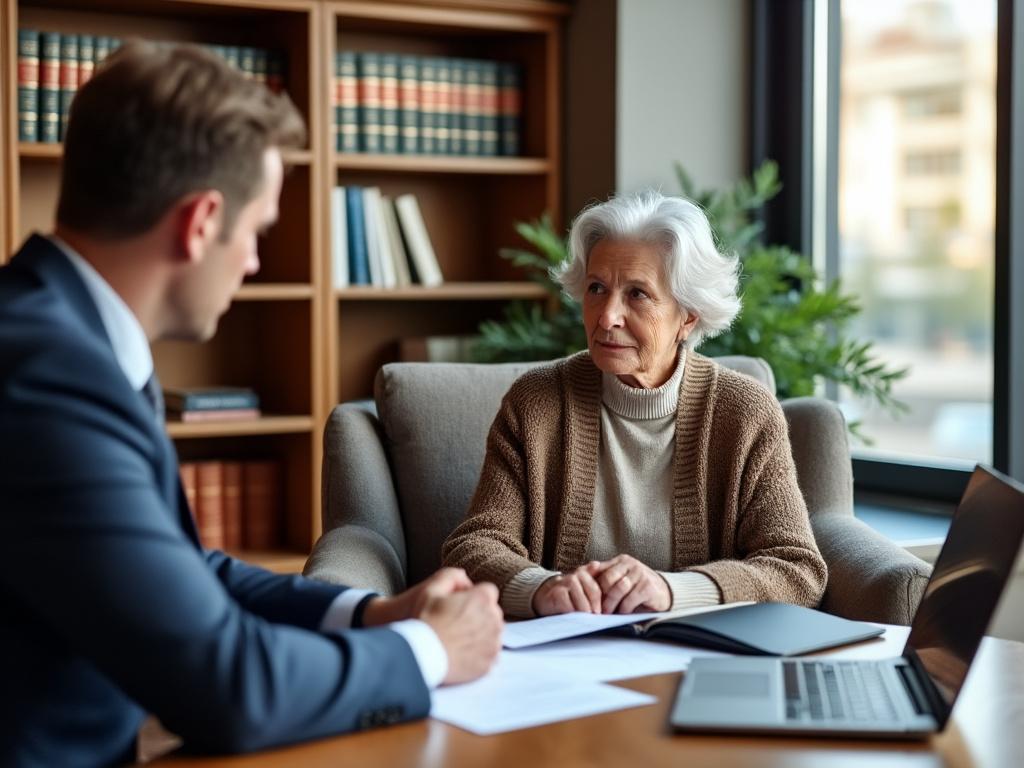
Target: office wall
[(682, 71)]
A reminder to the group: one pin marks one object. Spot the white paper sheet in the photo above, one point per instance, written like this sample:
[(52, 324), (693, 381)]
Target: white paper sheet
[(603, 659), (521, 634)]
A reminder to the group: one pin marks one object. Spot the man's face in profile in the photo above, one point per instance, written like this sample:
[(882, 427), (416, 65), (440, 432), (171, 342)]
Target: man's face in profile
[(205, 293)]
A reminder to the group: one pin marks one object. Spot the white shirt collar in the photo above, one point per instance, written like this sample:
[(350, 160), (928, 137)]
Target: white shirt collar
[(131, 347)]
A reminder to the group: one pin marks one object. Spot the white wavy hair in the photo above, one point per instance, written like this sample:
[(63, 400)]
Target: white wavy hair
[(702, 280)]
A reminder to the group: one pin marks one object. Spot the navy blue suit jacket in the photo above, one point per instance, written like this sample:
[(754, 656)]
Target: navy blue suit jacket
[(109, 606)]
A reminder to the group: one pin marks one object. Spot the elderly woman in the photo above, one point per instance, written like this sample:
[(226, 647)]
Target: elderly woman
[(640, 475)]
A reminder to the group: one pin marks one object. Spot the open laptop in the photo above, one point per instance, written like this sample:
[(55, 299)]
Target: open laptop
[(910, 696)]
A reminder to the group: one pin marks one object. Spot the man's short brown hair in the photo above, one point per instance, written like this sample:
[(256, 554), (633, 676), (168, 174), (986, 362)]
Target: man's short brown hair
[(159, 121)]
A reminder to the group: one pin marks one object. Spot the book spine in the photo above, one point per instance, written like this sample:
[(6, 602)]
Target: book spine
[(49, 87), (369, 101), (195, 401), (389, 103), (371, 213), (421, 251), (276, 65), (210, 504), (471, 124), (86, 58), (359, 265), (489, 108), (409, 104), (510, 107), (339, 238), (458, 107), (348, 102), (247, 61), (261, 489), (68, 78), (28, 85), (428, 105), (102, 49), (230, 414), (444, 106), (260, 58), (232, 505), (187, 471)]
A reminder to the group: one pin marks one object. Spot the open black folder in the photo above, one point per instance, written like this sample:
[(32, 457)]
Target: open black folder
[(763, 629)]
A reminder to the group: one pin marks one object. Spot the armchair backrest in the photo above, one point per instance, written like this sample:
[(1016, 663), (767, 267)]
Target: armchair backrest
[(435, 418)]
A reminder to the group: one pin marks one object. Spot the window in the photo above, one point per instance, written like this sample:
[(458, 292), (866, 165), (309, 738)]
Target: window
[(916, 216)]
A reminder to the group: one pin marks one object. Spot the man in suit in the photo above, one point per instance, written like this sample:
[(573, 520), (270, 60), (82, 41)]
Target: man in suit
[(172, 166)]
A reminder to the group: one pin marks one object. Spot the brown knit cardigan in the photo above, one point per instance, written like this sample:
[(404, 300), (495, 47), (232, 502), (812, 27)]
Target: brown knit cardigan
[(738, 515)]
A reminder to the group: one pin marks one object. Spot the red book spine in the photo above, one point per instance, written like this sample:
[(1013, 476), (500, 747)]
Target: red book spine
[(210, 503), (261, 504), (232, 505)]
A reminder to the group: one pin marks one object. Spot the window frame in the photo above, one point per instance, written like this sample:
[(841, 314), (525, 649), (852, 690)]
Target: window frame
[(795, 59)]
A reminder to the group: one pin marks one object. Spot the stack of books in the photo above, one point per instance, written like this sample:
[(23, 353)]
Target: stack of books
[(53, 66), (235, 504), (379, 241), (400, 104), (211, 404)]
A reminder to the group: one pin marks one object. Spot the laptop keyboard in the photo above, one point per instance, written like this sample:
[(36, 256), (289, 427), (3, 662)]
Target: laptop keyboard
[(837, 690)]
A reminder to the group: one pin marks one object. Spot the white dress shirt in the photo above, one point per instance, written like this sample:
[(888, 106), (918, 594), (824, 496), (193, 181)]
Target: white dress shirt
[(131, 348)]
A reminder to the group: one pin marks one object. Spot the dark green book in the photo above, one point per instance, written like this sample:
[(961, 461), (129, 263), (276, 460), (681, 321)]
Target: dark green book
[(101, 50), (68, 77), (260, 58), (86, 58), (28, 85), (276, 66), (444, 106), (472, 114), (489, 108), (428, 105), (347, 97), (247, 61), (49, 87), (457, 108), (389, 139), (368, 65), (210, 399), (409, 103), (510, 107)]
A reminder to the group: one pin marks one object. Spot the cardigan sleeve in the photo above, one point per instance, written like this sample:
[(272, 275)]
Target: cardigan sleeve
[(777, 558), (490, 543)]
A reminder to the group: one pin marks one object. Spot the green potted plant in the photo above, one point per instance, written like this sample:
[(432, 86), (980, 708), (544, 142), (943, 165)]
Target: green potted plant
[(789, 318)]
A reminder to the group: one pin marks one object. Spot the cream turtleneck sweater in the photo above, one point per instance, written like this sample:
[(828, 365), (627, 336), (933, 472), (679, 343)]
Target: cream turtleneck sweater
[(633, 494)]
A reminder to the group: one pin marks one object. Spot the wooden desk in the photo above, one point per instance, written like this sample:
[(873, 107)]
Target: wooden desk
[(987, 729)]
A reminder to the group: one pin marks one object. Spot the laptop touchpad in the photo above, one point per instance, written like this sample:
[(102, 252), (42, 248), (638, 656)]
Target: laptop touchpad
[(743, 684)]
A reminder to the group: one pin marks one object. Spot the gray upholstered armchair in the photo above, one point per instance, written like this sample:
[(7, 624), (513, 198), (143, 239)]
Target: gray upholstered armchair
[(398, 478)]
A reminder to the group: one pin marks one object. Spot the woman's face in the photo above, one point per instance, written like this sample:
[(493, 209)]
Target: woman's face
[(633, 323)]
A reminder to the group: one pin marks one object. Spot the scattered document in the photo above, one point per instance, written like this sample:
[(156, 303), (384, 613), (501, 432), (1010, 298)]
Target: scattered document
[(604, 659), (547, 629), (522, 692)]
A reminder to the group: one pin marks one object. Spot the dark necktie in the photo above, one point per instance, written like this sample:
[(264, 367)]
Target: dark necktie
[(155, 397)]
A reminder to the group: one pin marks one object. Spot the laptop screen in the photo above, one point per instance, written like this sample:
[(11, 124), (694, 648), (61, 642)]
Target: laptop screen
[(970, 573)]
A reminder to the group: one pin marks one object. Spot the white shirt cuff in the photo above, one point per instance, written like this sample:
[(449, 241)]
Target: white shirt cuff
[(339, 613), (426, 647)]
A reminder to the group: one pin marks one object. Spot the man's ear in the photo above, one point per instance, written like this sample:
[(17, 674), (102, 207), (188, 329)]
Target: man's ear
[(199, 220)]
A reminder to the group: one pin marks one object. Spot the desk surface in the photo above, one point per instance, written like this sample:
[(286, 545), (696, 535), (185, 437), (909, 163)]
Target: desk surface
[(987, 729)]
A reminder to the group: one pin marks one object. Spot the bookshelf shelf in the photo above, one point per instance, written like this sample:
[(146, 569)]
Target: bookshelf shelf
[(495, 166), (266, 425), (274, 292), (500, 291), (278, 561), (41, 151)]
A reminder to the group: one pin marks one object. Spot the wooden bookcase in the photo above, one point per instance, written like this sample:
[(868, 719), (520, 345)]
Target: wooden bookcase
[(469, 204), (300, 343)]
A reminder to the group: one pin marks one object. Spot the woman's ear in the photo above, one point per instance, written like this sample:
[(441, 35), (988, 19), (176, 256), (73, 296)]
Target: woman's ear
[(686, 327)]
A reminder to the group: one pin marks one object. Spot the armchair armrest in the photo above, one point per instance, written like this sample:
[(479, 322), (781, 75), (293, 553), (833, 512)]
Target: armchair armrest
[(354, 556), (870, 578)]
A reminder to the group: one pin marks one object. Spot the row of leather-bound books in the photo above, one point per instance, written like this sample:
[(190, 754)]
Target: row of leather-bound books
[(236, 504), (52, 67), (402, 104)]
